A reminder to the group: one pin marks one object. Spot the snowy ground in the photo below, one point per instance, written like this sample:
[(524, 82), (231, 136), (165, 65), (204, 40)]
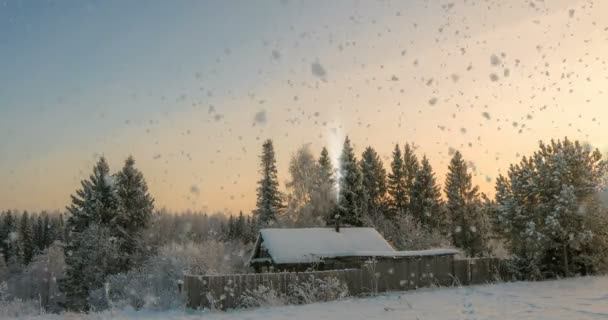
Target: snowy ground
[(578, 298)]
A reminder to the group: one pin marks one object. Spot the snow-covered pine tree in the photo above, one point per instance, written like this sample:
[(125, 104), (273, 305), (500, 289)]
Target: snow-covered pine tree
[(38, 227), (56, 229), (549, 212), (7, 235), (269, 203), (350, 198), (4, 273), (3, 234), (324, 198), (47, 234), (135, 209), (374, 183), (463, 205), (96, 204), (397, 188), (96, 256), (239, 227), (425, 202), (248, 233), (410, 170), (26, 239), (326, 169)]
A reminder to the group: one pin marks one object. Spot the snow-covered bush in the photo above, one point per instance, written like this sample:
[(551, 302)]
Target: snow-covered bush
[(154, 285), (38, 282), (404, 233), (309, 291), (18, 309), (316, 290), (262, 296)]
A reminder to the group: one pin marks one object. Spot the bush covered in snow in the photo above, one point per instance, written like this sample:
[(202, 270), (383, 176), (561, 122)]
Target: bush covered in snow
[(19, 309), (154, 285), (316, 289), (262, 296), (404, 233), (309, 291), (38, 282)]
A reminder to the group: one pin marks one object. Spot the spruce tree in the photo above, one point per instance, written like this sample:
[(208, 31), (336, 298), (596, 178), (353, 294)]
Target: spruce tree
[(374, 182), (326, 170), (397, 187), (549, 213), (425, 202), (26, 239), (239, 227), (463, 206), (96, 205), (410, 170), (47, 233), (231, 229), (3, 235), (135, 209), (324, 199), (7, 235), (350, 192), (96, 202), (269, 203), (38, 227)]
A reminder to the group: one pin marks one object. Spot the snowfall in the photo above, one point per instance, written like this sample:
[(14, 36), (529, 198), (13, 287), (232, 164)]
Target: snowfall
[(575, 298)]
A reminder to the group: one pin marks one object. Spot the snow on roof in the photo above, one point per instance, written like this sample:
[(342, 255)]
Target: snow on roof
[(413, 253), (305, 245)]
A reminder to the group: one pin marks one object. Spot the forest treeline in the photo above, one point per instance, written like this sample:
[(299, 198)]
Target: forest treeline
[(111, 247)]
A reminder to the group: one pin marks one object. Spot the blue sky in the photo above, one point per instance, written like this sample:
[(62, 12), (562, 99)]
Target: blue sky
[(177, 84)]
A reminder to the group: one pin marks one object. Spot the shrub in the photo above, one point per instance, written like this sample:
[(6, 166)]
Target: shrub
[(317, 290), (310, 291), (154, 285)]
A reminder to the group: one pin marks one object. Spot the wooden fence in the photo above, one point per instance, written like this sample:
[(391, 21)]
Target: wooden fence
[(225, 291)]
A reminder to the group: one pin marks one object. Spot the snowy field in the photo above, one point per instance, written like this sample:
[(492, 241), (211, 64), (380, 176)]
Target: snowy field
[(578, 298)]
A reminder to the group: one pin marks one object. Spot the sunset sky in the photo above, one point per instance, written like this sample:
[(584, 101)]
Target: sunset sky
[(192, 88)]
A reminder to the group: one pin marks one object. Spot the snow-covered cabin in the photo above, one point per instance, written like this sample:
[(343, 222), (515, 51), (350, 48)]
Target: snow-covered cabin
[(299, 249)]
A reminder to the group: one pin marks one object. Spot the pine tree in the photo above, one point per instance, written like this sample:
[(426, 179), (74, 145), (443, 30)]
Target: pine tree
[(239, 227), (135, 209), (326, 170), (56, 228), (374, 182), (38, 227), (410, 170), (548, 211), (3, 235), (26, 239), (96, 202), (230, 234), (96, 206), (463, 206), (397, 187), (350, 193), (7, 235), (47, 232), (425, 201), (96, 256), (4, 272), (268, 204)]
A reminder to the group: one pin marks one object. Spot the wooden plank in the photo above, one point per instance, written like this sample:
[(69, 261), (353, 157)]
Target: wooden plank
[(399, 274)]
